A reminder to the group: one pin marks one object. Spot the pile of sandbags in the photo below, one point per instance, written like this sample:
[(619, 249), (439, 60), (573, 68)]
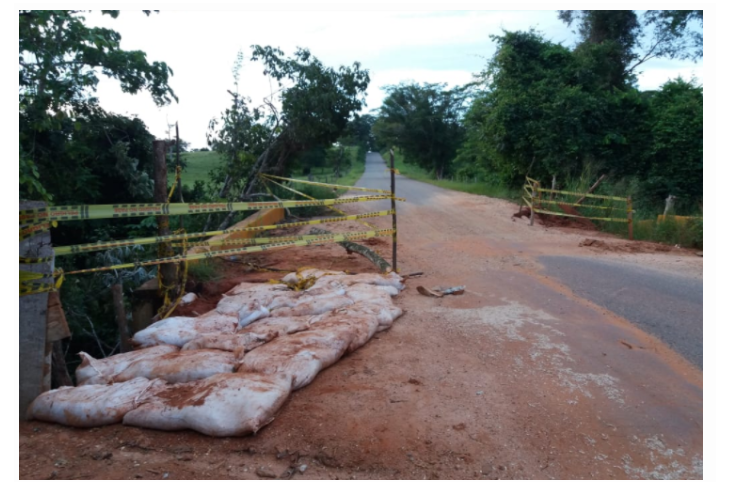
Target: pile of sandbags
[(227, 372)]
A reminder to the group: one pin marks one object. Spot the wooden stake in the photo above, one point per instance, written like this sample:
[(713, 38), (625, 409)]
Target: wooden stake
[(392, 206), (168, 271), (532, 204), (630, 217)]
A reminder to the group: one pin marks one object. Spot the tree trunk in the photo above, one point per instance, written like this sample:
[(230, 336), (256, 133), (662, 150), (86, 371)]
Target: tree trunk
[(120, 316), (363, 250), (59, 372), (168, 271)]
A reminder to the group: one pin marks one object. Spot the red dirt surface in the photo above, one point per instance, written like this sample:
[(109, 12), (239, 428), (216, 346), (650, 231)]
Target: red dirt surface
[(518, 378)]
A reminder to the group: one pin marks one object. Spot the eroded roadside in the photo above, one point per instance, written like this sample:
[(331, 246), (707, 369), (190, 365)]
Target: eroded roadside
[(517, 378)]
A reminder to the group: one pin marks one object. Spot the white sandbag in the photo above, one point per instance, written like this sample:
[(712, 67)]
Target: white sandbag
[(251, 312), (280, 326), (300, 356), (101, 371), (179, 330), (183, 366), (295, 277), (261, 296), (92, 405), (315, 305), (359, 322), (214, 322), (391, 279), (222, 405), (238, 343)]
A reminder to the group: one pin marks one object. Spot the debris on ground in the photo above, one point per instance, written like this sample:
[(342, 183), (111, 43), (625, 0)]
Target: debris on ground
[(188, 298), (441, 291), (627, 246), (228, 371)]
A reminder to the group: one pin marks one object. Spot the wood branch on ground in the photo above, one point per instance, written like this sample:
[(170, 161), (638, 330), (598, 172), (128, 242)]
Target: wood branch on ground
[(363, 250)]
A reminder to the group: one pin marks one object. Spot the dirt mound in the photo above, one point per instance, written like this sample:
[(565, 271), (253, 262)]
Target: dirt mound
[(627, 247), (548, 220)]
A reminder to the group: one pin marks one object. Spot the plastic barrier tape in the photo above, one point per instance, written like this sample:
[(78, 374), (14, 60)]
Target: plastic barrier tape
[(330, 185), (83, 212), (617, 219), (578, 205), (578, 194), (251, 241), (325, 238), (89, 247), (34, 229), (312, 198)]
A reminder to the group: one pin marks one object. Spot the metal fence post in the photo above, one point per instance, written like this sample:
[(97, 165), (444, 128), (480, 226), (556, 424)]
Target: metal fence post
[(392, 206)]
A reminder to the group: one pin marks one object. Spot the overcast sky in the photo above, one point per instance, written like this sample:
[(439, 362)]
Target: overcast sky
[(201, 47)]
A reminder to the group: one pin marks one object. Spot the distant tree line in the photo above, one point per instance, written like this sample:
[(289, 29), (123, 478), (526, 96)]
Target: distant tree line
[(550, 110)]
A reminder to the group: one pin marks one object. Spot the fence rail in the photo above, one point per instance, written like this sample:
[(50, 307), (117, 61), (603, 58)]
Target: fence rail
[(539, 203)]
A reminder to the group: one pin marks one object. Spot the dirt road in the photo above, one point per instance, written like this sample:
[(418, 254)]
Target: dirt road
[(517, 378)]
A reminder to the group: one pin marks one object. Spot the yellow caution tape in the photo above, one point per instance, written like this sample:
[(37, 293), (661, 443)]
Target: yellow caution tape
[(330, 185), (394, 170), (34, 229), (577, 205), (89, 247), (174, 183), (25, 259), (578, 194), (250, 241), (312, 198), (321, 239), (616, 219), (83, 212), (29, 286)]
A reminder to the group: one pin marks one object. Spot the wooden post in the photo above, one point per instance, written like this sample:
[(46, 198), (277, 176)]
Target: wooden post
[(392, 206), (177, 164), (630, 216), (34, 352), (532, 204), (167, 271)]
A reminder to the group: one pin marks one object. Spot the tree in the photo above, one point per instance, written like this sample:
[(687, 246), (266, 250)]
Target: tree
[(60, 60), (424, 121), (675, 155), (622, 42), (316, 103), (543, 115)]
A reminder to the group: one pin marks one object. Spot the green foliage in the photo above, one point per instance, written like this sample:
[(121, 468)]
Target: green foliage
[(59, 62), (675, 155), (316, 101), (424, 122)]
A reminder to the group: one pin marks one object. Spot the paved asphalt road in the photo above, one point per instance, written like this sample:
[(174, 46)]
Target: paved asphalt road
[(664, 305)]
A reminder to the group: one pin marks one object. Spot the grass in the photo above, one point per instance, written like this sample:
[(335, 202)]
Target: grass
[(199, 164), (349, 176)]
